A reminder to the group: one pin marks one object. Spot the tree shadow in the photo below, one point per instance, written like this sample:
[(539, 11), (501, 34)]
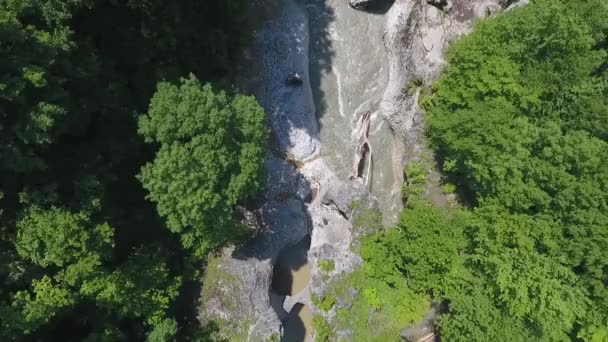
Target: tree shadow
[(291, 259), (295, 328), (320, 16)]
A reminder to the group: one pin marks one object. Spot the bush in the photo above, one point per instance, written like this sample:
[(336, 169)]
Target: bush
[(327, 266)]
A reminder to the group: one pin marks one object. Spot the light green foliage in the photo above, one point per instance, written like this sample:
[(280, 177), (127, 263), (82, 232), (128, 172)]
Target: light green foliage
[(519, 118), (371, 296), (164, 331), (323, 332), (424, 246), (59, 237), (415, 173), (34, 309), (448, 188), (416, 178), (210, 158), (503, 261), (474, 317), (378, 311), (327, 266), (141, 287), (594, 334)]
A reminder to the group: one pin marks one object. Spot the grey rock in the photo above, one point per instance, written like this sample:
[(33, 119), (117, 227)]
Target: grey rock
[(236, 293), (344, 197), (239, 293)]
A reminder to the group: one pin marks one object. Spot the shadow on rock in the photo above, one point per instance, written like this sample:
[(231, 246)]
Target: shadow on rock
[(296, 324), (320, 16), (372, 6)]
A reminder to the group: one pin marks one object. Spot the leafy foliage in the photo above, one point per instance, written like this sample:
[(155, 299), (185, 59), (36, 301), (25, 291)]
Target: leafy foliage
[(379, 310), (84, 255), (210, 158), (518, 118), (327, 266)]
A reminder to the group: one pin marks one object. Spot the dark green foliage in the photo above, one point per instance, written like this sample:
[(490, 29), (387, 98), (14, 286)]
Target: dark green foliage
[(84, 255), (519, 119), (210, 159)]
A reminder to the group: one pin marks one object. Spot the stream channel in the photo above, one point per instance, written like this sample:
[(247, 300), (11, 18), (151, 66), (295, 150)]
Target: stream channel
[(340, 56)]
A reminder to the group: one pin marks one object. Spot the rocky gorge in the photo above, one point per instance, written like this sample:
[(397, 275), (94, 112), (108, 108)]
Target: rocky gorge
[(350, 58)]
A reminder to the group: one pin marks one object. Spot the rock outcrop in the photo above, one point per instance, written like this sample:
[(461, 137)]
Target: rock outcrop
[(304, 198)]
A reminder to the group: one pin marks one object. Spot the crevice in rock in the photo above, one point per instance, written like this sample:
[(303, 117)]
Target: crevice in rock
[(333, 206)]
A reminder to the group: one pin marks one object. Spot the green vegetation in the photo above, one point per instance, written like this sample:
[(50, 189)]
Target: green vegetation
[(416, 178), (364, 218), (327, 266), (377, 310), (84, 255), (210, 159), (325, 303), (519, 119), (322, 330)]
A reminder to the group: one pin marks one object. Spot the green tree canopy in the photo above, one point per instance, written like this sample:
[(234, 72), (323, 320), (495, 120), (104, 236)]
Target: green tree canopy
[(83, 254), (518, 119), (210, 159)]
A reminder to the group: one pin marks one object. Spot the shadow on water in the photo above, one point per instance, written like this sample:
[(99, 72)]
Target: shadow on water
[(297, 324), (291, 272)]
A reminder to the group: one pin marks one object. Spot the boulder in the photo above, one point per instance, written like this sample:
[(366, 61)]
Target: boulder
[(371, 5), (294, 80)]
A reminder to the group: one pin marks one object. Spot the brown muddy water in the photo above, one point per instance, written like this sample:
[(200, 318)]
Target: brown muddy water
[(291, 276)]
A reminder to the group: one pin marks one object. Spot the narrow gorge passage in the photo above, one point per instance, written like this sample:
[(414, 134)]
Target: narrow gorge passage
[(291, 277)]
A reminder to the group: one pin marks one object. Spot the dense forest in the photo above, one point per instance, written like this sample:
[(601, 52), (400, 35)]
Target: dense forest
[(103, 121), (125, 152), (519, 123)]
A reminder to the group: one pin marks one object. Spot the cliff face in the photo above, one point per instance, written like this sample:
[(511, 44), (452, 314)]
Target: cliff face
[(347, 62)]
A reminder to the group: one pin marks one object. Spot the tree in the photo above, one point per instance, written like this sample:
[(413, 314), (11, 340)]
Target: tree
[(74, 256), (210, 159), (518, 117)]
